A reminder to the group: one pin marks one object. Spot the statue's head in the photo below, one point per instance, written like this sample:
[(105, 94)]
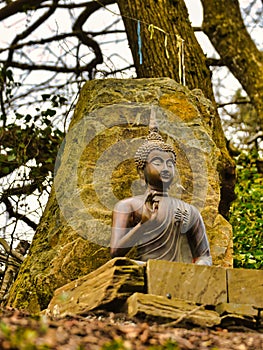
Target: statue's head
[(155, 161), (154, 141)]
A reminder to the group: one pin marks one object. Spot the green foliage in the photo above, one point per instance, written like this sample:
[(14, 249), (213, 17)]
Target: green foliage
[(21, 338), (31, 136), (119, 345), (114, 345), (29, 142), (169, 345), (246, 213), (7, 83)]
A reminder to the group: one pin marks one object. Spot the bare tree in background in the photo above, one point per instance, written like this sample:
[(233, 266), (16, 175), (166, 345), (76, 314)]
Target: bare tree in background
[(42, 68)]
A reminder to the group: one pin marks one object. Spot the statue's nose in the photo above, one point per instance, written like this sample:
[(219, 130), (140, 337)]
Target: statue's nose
[(165, 167)]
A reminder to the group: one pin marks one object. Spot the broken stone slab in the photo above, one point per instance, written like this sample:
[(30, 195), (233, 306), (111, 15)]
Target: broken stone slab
[(231, 321), (161, 309), (245, 286), (244, 315), (107, 287), (238, 309), (200, 284)]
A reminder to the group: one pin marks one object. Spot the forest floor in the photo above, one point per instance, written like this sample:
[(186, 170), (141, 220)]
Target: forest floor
[(108, 331)]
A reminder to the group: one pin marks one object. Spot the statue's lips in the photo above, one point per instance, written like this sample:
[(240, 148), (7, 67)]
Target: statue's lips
[(165, 176)]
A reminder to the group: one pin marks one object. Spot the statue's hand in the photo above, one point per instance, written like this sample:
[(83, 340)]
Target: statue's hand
[(150, 207)]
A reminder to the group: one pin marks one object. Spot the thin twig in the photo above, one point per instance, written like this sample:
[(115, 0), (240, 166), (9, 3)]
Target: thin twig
[(173, 323)]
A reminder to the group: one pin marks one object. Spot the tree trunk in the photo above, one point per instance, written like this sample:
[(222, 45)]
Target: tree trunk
[(224, 26), (170, 16)]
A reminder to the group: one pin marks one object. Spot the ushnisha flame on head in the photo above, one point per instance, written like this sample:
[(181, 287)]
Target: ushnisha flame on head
[(154, 141)]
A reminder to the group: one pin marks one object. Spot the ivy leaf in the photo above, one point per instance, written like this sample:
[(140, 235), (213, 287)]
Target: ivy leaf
[(11, 157)]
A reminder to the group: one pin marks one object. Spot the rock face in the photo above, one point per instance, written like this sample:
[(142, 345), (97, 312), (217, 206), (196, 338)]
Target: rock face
[(95, 169)]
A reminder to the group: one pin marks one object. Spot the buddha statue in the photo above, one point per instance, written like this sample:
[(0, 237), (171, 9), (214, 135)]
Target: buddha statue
[(156, 222)]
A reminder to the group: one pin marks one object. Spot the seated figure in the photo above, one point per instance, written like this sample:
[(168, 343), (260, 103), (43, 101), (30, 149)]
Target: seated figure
[(155, 222)]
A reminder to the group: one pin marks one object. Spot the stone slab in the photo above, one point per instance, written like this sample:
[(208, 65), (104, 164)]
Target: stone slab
[(162, 310), (245, 286), (107, 287), (200, 284), (244, 315), (238, 309), (238, 322)]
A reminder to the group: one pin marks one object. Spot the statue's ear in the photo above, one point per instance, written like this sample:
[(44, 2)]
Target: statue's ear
[(142, 177), (141, 174)]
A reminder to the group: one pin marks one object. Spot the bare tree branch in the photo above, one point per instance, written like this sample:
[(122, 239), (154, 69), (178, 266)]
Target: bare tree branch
[(5, 259), (16, 215), (10, 251), (30, 29), (258, 135), (13, 7), (238, 102), (60, 69), (77, 29), (58, 37), (215, 62), (225, 28)]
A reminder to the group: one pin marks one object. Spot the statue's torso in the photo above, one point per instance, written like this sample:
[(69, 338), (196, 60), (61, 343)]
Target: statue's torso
[(165, 242)]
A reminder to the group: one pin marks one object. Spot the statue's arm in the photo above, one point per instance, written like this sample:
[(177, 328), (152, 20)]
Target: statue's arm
[(125, 232), (198, 242)]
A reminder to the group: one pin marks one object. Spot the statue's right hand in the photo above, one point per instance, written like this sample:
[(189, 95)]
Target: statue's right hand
[(150, 208)]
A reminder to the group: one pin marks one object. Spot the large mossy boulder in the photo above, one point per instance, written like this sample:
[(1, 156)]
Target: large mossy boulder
[(95, 169)]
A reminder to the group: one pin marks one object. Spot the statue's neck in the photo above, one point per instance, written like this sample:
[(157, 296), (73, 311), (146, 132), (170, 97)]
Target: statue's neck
[(160, 192)]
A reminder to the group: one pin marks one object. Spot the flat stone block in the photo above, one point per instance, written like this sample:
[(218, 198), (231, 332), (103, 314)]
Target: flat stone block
[(163, 310), (245, 286), (107, 287), (200, 284)]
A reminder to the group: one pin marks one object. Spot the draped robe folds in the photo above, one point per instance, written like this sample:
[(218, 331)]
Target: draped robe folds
[(163, 242)]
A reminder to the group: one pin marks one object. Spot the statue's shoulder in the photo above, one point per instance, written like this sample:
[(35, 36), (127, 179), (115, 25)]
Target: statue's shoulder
[(129, 204), (178, 203)]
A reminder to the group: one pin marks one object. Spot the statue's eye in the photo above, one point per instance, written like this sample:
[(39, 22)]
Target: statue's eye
[(170, 164), (157, 161)]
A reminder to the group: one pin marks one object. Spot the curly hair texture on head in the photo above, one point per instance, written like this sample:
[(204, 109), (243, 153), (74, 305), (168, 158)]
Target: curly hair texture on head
[(153, 142)]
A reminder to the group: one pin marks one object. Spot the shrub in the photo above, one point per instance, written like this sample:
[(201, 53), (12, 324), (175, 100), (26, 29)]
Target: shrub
[(246, 213)]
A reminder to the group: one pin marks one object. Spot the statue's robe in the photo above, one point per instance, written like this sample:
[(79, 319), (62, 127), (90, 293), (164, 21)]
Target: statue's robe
[(164, 242)]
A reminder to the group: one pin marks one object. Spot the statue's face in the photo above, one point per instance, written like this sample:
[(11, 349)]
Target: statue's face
[(159, 170)]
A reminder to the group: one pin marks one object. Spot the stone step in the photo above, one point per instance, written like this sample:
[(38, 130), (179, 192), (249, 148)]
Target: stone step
[(209, 285), (161, 309), (200, 284), (107, 287), (163, 291), (245, 286)]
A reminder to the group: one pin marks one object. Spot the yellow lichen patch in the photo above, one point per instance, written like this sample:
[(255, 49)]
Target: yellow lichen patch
[(180, 106)]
